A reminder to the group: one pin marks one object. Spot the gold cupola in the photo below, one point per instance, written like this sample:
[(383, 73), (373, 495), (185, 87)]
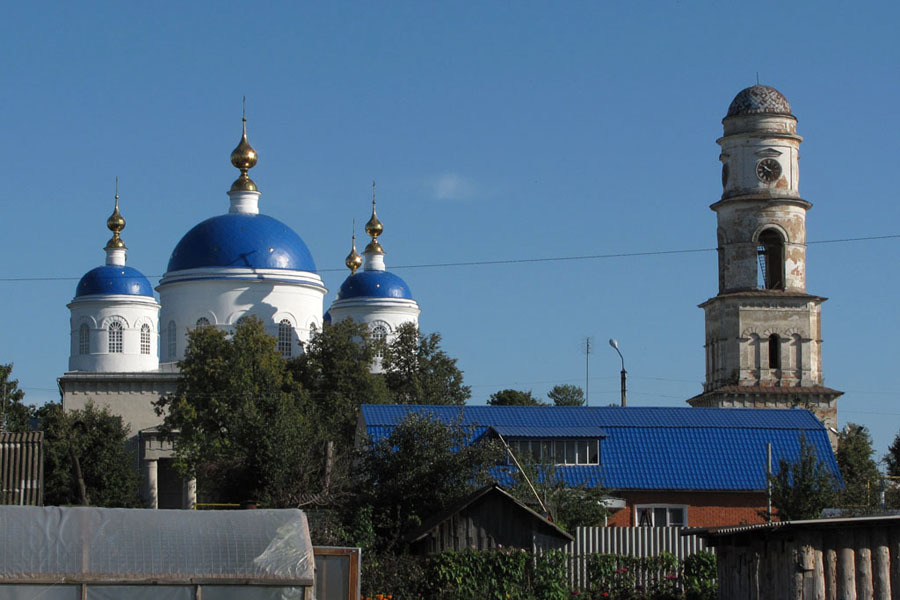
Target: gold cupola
[(374, 228), (244, 157), (115, 223), (353, 261)]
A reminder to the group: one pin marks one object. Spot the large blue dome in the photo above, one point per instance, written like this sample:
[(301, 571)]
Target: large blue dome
[(374, 284), (242, 240), (112, 279)]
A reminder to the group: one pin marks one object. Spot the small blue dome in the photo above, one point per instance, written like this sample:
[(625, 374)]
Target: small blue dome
[(374, 284), (110, 279), (242, 240)]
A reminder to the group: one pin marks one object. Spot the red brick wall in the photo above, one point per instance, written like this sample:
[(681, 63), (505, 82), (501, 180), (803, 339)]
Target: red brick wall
[(704, 509)]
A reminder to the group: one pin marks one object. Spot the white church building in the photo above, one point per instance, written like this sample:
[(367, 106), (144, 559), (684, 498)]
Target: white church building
[(125, 345)]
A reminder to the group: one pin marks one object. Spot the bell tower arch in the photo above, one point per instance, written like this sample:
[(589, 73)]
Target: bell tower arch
[(763, 330)]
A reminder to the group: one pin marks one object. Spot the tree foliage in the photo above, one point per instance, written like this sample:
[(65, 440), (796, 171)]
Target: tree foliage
[(240, 418), (16, 413), (418, 371), (566, 395), (335, 370), (421, 468), (803, 487), (97, 439), (858, 469), (514, 398)]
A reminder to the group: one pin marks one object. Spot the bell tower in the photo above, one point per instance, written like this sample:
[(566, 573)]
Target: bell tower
[(763, 330)]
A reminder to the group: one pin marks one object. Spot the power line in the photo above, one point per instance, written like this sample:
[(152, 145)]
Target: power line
[(513, 261)]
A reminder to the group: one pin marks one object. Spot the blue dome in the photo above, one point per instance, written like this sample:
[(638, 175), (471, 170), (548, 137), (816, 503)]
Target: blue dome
[(110, 279), (242, 240), (374, 284)]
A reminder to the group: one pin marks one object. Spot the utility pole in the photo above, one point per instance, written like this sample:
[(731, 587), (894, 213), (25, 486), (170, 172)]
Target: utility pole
[(587, 371), (614, 344)]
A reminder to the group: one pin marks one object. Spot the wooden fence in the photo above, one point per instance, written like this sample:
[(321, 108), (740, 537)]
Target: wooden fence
[(640, 542)]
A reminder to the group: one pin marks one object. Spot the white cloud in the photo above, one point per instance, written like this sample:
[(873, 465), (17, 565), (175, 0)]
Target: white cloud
[(452, 186)]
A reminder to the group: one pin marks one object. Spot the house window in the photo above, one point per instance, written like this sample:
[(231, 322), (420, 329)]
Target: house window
[(170, 340), (115, 337), (558, 452), (145, 339), (202, 322), (660, 515), (285, 337), (84, 339), (770, 250)]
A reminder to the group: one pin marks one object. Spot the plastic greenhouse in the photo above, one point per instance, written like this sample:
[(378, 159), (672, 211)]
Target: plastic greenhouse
[(131, 554)]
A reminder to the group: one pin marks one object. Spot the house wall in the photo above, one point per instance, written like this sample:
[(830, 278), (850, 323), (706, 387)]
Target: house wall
[(704, 509)]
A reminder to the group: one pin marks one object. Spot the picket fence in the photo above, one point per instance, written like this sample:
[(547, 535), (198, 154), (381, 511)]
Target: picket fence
[(641, 542)]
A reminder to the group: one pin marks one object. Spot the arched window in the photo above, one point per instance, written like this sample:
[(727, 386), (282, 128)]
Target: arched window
[(379, 337), (285, 338), (115, 337), (770, 250), (202, 322), (84, 339), (145, 339), (170, 340), (774, 351)]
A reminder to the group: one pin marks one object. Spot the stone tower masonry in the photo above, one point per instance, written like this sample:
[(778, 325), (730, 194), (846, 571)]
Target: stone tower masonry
[(763, 330)]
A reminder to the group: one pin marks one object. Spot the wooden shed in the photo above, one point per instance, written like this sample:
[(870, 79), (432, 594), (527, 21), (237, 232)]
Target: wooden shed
[(488, 518), (22, 468), (822, 559)]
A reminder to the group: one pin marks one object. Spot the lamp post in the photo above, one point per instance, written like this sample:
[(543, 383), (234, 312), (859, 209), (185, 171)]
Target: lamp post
[(615, 345)]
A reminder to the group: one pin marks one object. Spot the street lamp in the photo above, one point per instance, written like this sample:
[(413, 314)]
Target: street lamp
[(615, 345)]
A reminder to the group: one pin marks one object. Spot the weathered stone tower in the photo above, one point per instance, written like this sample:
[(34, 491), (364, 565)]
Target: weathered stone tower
[(763, 331)]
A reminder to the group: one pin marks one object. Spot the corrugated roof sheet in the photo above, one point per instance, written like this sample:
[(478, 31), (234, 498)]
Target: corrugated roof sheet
[(656, 448)]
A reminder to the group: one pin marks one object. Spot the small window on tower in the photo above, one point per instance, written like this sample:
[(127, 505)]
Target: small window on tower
[(379, 337), (145, 339), (84, 339), (770, 250), (285, 338), (774, 351), (170, 340), (115, 337)]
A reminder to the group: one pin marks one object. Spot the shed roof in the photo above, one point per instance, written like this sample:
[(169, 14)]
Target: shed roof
[(549, 526), (658, 448)]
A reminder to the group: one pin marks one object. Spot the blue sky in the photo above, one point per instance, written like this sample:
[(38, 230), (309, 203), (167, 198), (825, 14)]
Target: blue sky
[(496, 131)]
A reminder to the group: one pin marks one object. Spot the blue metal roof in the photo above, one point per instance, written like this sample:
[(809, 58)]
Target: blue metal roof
[(532, 431), (112, 279), (374, 284), (658, 448), (242, 240)]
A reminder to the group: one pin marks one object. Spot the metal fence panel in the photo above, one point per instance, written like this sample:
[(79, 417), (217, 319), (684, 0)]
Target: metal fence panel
[(640, 542)]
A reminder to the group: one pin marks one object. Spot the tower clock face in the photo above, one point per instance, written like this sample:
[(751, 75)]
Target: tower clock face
[(768, 170)]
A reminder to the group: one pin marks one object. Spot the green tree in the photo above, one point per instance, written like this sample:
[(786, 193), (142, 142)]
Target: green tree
[(803, 487), (335, 370), (96, 439), (858, 469), (15, 413), (240, 419), (514, 398), (421, 468), (566, 395), (418, 371)]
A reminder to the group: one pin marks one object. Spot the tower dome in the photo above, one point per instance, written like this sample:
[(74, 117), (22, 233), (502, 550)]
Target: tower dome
[(114, 313), (237, 264), (374, 296), (759, 99)]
